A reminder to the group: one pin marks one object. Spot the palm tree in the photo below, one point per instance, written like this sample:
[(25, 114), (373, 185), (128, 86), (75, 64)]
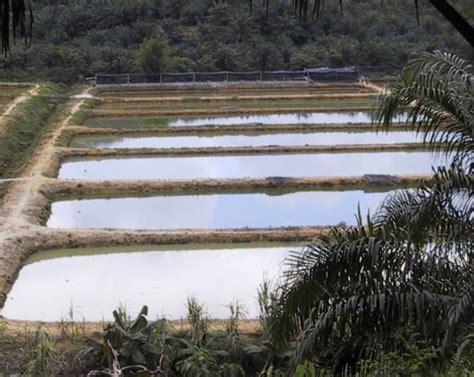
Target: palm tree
[(406, 275), (15, 16)]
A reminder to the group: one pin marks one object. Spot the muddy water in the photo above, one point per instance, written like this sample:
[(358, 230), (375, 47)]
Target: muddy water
[(249, 140), (214, 211), (293, 118), (95, 284), (248, 166)]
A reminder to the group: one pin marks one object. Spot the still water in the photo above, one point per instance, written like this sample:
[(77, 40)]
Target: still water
[(292, 118), (248, 166), (95, 282), (249, 140), (214, 211)]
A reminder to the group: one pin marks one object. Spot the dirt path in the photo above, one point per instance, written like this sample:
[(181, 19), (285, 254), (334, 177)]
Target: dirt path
[(16, 102), (27, 186)]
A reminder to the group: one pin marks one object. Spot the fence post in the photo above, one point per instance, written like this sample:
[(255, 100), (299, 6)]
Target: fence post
[(96, 78), (194, 76), (261, 76), (128, 78), (161, 78), (226, 76)]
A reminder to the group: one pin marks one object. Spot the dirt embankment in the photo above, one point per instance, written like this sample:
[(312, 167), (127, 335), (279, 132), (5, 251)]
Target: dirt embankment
[(262, 98), (224, 86), (235, 151), (55, 189)]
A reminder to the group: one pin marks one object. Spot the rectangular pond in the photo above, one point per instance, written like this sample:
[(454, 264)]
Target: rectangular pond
[(330, 117), (92, 282), (248, 166), (228, 92), (214, 211), (247, 140), (244, 105)]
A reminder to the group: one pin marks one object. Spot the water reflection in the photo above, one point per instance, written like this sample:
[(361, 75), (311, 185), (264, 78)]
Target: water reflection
[(245, 166), (250, 140), (96, 284), (300, 118), (214, 211), (290, 118)]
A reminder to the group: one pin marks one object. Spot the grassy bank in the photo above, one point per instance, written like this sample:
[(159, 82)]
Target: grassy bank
[(21, 130)]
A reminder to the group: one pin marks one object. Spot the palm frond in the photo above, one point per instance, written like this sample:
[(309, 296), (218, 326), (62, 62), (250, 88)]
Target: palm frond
[(437, 95)]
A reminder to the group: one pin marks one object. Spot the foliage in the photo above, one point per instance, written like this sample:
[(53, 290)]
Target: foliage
[(74, 38), (266, 301), (40, 354), (237, 313), (153, 55), (198, 322), (128, 344), (356, 293)]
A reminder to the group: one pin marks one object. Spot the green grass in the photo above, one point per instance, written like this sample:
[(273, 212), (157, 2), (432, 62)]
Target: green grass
[(23, 128), (7, 90)]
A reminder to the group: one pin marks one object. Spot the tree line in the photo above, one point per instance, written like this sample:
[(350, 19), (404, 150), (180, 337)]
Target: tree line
[(73, 38)]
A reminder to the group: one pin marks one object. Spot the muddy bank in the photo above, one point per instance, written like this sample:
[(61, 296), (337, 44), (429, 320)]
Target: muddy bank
[(55, 189), (222, 86), (239, 98), (226, 151)]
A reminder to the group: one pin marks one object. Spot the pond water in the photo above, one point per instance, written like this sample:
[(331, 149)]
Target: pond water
[(292, 118), (248, 140), (94, 282), (214, 211), (248, 166)]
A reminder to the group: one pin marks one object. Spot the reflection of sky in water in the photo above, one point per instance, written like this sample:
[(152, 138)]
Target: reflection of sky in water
[(290, 165), (296, 118), (323, 138), (95, 285), (214, 211)]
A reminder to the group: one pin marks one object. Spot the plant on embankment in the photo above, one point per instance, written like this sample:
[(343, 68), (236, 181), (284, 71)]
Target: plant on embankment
[(21, 130), (402, 283), (41, 357)]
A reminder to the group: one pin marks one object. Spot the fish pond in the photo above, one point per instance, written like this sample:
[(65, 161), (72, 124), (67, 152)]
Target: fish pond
[(248, 166), (334, 117), (215, 211), (93, 282), (247, 140)]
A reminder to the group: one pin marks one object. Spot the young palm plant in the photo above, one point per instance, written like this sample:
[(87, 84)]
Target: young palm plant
[(406, 273)]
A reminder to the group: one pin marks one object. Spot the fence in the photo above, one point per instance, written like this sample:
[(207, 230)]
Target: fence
[(317, 74)]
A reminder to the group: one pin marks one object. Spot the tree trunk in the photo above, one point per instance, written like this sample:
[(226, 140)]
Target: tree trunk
[(455, 18)]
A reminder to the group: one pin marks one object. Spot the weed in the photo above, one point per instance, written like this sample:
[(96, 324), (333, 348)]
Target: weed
[(198, 321), (40, 354)]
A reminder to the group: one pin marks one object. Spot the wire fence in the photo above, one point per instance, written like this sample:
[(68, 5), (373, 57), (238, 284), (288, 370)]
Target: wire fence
[(312, 75)]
